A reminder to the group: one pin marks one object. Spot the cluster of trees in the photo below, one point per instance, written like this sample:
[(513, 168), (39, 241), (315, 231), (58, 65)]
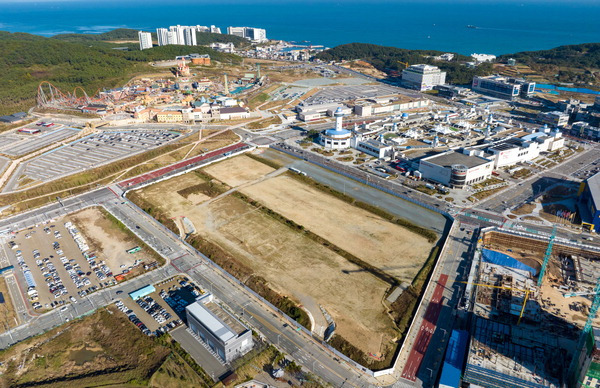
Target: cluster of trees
[(26, 60), (388, 59)]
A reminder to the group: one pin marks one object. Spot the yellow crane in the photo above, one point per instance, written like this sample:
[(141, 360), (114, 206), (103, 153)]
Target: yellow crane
[(507, 288), (404, 63)]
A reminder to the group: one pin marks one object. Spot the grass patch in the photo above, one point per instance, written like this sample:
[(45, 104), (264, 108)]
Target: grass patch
[(428, 234), (486, 193), (266, 161), (123, 355), (210, 189), (264, 123)]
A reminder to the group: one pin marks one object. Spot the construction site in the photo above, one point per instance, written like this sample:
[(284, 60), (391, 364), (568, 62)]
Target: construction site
[(533, 302)]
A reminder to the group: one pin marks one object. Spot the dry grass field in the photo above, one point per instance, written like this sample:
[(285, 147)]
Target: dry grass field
[(373, 239), (296, 266), (292, 263), (237, 171), (8, 318)]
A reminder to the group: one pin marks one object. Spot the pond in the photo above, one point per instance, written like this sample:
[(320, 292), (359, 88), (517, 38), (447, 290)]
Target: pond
[(83, 355)]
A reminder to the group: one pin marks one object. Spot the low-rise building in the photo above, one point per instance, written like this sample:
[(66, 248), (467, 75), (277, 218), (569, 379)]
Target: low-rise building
[(479, 58), (585, 131), (387, 105), (233, 113), (423, 77), (503, 87), (318, 111), (169, 117), (336, 138), (373, 147), (222, 332), (508, 152), (451, 91), (555, 118), (456, 169)]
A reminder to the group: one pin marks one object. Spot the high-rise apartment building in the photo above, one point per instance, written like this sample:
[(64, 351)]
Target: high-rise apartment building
[(257, 35), (145, 40)]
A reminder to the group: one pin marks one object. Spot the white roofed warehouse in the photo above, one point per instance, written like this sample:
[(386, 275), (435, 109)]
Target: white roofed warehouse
[(227, 337)]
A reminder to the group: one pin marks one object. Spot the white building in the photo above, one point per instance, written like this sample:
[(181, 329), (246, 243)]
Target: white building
[(215, 30), (166, 37), (515, 150), (200, 28), (223, 47), (387, 105), (318, 111), (483, 57), (145, 40), (336, 138), (456, 169), (372, 147), (423, 77), (256, 35)]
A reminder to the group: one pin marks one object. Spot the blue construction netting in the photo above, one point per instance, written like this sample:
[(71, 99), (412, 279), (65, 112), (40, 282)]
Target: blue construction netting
[(455, 358), (505, 260)]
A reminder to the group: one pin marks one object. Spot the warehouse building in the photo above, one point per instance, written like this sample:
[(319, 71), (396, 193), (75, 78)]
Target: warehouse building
[(511, 151), (457, 169), (227, 337), (388, 105), (140, 293)]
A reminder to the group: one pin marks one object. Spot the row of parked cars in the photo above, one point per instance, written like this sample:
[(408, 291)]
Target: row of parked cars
[(154, 309), (133, 318)]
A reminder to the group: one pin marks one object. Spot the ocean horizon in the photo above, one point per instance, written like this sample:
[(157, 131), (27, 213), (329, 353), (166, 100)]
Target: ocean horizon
[(503, 27)]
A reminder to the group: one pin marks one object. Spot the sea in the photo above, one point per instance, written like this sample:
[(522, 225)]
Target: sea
[(497, 26)]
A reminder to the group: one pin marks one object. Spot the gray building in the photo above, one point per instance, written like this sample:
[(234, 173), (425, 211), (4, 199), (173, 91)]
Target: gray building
[(503, 87), (221, 331)]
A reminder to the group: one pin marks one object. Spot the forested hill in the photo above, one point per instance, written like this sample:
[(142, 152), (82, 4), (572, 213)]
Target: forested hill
[(586, 55), (388, 58), (26, 60), (127, 34)]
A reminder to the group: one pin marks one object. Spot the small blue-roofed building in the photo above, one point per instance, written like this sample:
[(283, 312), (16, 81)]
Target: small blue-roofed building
[(455, 359), (140, 293), (336, 138), (226, 336), (589, 203)]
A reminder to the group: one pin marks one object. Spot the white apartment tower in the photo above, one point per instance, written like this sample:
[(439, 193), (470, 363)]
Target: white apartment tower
[(166, 37), (256, 35), (145, 40), (423, 77)]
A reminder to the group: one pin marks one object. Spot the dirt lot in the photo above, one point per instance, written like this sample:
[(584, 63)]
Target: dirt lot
[(297, 266), (237, 171), (107, 240), (367, 236)]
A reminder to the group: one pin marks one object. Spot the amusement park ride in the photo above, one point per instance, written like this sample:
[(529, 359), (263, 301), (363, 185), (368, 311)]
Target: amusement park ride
[(49, 96)]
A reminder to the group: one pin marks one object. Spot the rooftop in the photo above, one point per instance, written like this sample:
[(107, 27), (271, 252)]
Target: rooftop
[(593, 183), (218, 321), (447, 159), (233, 109)]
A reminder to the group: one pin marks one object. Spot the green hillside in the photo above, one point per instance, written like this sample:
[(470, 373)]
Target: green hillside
[(26, 60), (388, 58), (579, 63)]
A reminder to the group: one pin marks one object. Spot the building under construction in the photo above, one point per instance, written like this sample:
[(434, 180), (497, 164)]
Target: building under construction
[(529, 296)]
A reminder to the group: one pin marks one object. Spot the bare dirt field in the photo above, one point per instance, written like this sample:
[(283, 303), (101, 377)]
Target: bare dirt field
[(175, 203), (295, 265), (109, 242), (237, 171), (371, 238)]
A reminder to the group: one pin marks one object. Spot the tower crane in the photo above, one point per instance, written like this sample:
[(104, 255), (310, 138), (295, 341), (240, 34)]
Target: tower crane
[(547, 256), (511, 289), (403, 63), (575, 361)]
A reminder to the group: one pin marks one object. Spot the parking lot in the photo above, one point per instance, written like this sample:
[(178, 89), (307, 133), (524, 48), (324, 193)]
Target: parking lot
[(17, 144), (351, 92), (56, 265), (89, 152), (163, 309), (587, 169)]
